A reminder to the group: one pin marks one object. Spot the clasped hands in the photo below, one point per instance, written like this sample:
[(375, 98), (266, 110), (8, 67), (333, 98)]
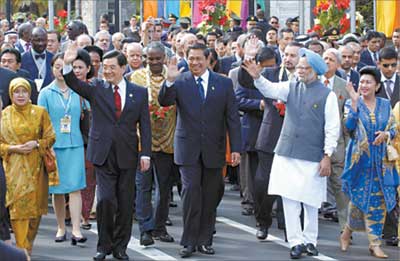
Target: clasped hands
[(25, 148)]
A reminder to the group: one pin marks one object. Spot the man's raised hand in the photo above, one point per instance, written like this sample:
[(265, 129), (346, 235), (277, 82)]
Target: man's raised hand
[(71, 53), (173, 71)]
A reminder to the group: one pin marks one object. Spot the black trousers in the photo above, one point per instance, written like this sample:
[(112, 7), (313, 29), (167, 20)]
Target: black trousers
[(263, 201), (115, 205), (4, 221), (164, 168), (201, 194)]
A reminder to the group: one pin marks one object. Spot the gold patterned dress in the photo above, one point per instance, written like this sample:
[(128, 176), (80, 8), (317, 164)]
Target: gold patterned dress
[(27, 183)]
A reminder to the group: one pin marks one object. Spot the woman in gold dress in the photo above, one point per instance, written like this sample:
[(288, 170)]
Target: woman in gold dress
[(26, 133)]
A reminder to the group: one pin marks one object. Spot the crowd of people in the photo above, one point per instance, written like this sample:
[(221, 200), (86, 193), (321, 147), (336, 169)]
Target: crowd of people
[(303, 125)]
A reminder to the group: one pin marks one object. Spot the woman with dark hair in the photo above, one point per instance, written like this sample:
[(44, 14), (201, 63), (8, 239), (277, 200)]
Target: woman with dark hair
[(369, 178), (64, 107), (213, 62)]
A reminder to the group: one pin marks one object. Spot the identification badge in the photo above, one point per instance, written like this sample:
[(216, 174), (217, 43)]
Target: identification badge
[(39, 83), (65, 124)]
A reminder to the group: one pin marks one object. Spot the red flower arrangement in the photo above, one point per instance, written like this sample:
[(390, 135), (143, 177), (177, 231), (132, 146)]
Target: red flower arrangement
[(280, 107), (157, 112), (331, 14), (60, 21), (214, 13)]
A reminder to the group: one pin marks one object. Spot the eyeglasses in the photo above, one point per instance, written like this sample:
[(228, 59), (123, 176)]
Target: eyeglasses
[(386, 65)]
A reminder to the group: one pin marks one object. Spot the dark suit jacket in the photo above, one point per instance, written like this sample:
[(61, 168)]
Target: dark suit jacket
[(396, 92), (19, 47), (366, 58), (6, 76), (360, 65), (201, 127), (225, 64), (249, 103), (106, 129), (278, 57), (271, 124), (11, 253), (354, 78), (183, 64), (28, 63)]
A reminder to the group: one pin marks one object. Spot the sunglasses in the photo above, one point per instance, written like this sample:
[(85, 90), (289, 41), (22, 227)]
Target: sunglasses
[(386, 65)]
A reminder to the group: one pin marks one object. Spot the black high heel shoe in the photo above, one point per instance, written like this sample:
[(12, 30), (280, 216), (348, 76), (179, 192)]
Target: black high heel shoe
[(75, 240), (61, 238)]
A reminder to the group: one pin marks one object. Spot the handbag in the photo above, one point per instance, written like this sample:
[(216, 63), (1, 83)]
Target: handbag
[(84, 123), (50, 160), (50, 164), (391, 151)]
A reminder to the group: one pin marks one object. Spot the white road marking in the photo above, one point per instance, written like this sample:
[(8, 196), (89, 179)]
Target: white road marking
[(150, 252), (272, 238)]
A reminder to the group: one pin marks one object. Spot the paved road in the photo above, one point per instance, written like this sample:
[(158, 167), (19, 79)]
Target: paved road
[(235, 240)]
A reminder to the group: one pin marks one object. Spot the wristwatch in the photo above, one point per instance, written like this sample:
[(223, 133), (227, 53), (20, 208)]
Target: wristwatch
[(37, 144), (328, 155)]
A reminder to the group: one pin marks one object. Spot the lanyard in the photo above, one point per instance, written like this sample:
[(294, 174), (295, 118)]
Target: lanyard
[(65, 106)]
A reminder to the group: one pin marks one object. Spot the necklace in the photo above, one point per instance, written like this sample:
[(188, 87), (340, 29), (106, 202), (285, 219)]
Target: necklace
[(64, 90)]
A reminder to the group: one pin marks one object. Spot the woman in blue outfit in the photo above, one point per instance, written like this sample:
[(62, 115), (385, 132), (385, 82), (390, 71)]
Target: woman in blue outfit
[(64, 107), (369, 179)]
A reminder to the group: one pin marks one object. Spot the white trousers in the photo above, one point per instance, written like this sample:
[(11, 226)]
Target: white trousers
[(295, 235)]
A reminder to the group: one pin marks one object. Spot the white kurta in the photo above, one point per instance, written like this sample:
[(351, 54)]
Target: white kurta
[(294, 178)]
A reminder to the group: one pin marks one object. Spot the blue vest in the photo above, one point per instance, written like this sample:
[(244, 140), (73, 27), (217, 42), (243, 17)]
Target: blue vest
[(303, 135)]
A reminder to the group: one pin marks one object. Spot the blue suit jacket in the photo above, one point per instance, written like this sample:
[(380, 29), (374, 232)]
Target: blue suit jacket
[(366, 58), (249, 103), (19, 47), (183, 64), (29, 64), (225, 64), (354, 78), (202, 126), (106, 129)]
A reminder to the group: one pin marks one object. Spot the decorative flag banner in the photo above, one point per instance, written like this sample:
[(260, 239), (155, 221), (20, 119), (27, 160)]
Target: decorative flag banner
[(387, 16)]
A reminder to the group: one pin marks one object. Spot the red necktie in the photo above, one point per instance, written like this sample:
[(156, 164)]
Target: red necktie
[(326, 82), (117, 101)]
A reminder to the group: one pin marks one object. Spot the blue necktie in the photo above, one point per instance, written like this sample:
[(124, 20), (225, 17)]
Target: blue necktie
[(201, 89)]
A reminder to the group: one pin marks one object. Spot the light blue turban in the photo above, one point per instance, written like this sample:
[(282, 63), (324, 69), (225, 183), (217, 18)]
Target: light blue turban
[(314, 60)]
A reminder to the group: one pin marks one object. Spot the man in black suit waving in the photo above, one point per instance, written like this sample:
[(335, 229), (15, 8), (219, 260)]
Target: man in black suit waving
[(117, 108), (207, 110)]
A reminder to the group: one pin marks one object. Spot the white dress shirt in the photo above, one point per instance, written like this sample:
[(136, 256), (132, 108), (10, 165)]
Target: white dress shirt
[(330, 84)]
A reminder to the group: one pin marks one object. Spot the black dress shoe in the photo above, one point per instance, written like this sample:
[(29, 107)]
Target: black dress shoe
[(100, 256), (296, 251), (61, 238), (172, 204), (120, 255), (187, 251), (168, 222), (393, 241), (247, 212), (146, 239), (262, 233), (166, 238), (208, 250), (311, 250)]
